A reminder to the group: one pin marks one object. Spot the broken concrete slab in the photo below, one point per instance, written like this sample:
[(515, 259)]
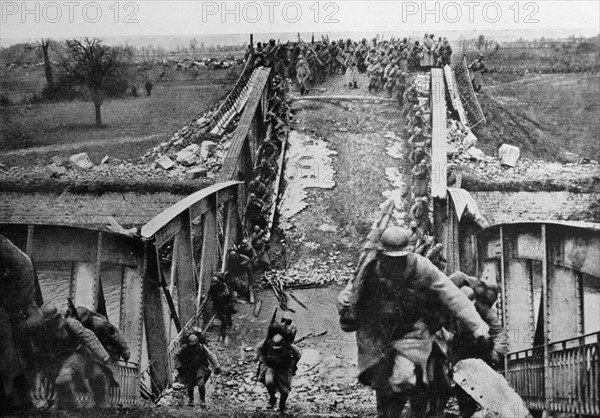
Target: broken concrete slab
[(164, 162), (508, 154), (470, 140), (193, 148), (475, 153), (81, 160), (183, 155), (190, 160), (111, 161)]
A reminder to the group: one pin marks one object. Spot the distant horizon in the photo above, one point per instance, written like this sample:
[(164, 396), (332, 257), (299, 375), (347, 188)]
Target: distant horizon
[(34, 19), (513, 34)]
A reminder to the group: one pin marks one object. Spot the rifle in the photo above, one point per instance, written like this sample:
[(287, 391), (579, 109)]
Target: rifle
[(348, 297), (271, 324)]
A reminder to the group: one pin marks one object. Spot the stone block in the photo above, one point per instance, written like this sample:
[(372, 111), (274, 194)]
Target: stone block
[(508, 154), (165, 162), (81, 160)]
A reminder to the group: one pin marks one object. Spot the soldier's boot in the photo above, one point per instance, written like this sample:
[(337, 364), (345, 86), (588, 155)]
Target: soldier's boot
[(190, 391), (272, 400), (202, 393), (390, 405), (282, 401)]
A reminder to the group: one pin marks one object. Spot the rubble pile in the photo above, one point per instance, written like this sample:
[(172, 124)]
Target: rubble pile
[(193, 151), (316, 272), (237, 387), (508, 166), (82, 168)]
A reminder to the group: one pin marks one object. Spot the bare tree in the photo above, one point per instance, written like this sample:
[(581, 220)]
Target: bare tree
[(91, 64), (44, 45), (193, 47)]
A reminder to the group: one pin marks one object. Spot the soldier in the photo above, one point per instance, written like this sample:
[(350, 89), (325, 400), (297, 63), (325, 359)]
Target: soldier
[(266, 170), (148, 86), (71, 355), (303, 73), (223, 300), (446, 52), (427, 56), (254, 212), (267, 151), (261, 244), (419, 212), (258, 188), (239, 269), (396, 303), (194, 360), (375, 71), (436, 256), (415, 57), (351, 68), (477, 68), (484, 295), (278, 357)]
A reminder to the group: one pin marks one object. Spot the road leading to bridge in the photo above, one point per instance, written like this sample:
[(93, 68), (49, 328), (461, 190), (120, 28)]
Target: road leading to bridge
[(321, 245)]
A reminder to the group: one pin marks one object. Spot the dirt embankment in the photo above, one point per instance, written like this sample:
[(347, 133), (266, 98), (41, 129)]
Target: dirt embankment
[(509, 125), (546, 116)]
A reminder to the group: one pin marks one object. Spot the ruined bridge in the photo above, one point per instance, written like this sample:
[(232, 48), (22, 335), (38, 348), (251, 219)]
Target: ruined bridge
[(543, 268)]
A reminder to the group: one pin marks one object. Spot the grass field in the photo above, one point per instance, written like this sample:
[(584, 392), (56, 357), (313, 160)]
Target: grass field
[(132, 125), (544, 115)]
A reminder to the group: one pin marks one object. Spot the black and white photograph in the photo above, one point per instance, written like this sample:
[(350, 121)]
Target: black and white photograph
[(303, 209)]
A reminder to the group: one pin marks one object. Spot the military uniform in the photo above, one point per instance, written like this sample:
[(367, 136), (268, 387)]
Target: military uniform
[(195, 360), (396, 304), (278, 359)]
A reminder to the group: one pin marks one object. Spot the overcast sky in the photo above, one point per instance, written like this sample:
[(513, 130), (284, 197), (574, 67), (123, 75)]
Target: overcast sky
[(59, 19)]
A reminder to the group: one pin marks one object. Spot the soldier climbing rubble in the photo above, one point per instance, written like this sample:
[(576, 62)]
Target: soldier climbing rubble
[(195, 361), (396, 303), (223, 300), (278, 358)]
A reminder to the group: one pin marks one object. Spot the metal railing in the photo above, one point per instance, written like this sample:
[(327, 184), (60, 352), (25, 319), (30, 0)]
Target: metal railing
[(467, 94), (573, 375), (128, 391), (526, 376), (231, 105)]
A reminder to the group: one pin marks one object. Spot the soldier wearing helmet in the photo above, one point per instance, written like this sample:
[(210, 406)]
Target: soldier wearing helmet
[(71, 354), (396, 304), (278, 357), (195, 361), (477, 68)]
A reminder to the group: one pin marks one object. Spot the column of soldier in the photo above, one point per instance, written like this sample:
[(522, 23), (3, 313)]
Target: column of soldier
[(419, 140), (386, 62), (276, 354)]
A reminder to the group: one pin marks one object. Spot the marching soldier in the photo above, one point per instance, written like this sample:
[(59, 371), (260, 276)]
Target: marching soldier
[(396, 304), (278, 357), (195, 361)]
